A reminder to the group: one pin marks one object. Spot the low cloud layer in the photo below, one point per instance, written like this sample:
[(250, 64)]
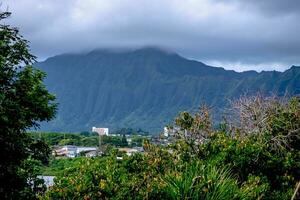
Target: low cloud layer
[(235, 34)]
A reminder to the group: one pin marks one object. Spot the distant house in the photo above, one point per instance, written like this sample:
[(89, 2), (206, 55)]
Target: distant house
[(85, 149), (129, 140), (166, 131), (68, 151), (170, 132), (139, 149), (128, 151), (91, 154), (71, 151)]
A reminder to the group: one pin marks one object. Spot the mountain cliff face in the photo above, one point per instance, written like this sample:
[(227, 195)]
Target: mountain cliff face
[(146, 88)]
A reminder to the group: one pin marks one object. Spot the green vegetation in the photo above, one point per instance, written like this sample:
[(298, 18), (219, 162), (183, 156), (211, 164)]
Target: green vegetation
[(257, 156), (24, 102), (57, 167)]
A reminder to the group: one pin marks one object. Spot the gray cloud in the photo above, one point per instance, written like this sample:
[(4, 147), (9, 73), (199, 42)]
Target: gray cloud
[(273, 7), (235, 34)]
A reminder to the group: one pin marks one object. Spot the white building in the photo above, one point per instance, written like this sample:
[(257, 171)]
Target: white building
[(169, 132), (100, 131), (166, 131)]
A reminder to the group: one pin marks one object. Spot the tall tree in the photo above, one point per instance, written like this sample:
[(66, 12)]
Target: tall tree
[(24, 102)]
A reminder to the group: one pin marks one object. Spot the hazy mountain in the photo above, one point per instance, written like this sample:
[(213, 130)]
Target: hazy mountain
[(146, 88)]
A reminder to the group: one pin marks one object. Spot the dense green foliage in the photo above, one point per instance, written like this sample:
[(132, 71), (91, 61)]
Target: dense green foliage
[(24, 102), (57, 167), (233, 162), (146, 88)]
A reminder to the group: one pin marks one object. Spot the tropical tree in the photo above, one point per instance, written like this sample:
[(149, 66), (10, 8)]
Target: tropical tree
[(24, 102)]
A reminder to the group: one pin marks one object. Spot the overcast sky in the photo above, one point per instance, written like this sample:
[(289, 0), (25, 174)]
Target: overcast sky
[(234, 34)]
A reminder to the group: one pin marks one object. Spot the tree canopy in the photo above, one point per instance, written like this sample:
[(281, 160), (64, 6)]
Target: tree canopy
[(24, 102)]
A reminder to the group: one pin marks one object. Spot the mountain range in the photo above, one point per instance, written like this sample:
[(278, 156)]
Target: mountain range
[(146, 88)]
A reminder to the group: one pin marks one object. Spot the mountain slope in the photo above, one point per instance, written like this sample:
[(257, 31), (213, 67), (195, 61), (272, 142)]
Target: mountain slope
[(145, 88)]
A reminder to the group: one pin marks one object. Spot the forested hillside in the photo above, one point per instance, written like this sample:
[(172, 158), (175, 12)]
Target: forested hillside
[(146, 88)]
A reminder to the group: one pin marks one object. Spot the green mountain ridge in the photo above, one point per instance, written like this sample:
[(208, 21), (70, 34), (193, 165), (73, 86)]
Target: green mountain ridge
[(145, 88)]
